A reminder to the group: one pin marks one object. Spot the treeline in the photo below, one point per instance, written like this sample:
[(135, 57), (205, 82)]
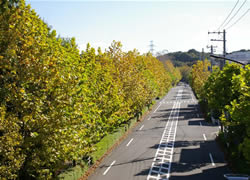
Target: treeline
[(225, 94), (182, 58), (55, 102)]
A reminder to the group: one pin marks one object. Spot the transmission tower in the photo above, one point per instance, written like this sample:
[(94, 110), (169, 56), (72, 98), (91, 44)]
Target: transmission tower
[(151, 45)]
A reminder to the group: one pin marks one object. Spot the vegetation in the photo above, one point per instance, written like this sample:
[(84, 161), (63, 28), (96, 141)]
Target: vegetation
[(199, 76), (57, 103), (226, 94), (173, 72), (182, 58), (185, 72)]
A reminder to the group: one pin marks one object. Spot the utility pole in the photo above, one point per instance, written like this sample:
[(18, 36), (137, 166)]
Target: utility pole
[(203, 59), (224, 45), (211, 53)]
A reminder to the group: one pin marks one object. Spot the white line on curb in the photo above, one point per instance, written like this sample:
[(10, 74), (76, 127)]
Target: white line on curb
[(130, 141), (109, 168), (141, 127), (211, 158), (204, 136)]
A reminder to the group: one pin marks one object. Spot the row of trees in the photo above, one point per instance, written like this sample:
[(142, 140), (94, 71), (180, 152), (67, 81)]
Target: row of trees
[(226, 94), (55, 102)]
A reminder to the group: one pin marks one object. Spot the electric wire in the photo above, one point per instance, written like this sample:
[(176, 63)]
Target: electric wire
[(235, 13), (228, 15), (238, 19)]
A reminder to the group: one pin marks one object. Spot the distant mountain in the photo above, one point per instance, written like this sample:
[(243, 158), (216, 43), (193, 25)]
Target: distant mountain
[(242, 56), (183, 58)]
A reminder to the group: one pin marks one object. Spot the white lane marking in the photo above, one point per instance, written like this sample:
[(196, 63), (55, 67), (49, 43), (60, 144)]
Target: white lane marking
[(130, 141), (161, 165), (141, 127), (211, 158), (204, 136), (200, 124), (165, 133), (149, 118), (109, 168), (177, 118), (179, 95), (157, 108)]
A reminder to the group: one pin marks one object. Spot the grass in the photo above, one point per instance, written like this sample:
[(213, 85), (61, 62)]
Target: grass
[(102, 147)]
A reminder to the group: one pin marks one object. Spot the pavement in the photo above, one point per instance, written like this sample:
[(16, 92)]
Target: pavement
[(173, 142)]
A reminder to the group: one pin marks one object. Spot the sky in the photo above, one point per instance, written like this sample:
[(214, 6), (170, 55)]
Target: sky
[(177, 25)]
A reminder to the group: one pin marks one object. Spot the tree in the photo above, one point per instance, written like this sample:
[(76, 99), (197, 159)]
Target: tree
[(199, 76)]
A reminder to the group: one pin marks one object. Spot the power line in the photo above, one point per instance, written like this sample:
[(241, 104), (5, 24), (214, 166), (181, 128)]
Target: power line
[(228, 15), (235, 13), (238, 19), (222, 63)]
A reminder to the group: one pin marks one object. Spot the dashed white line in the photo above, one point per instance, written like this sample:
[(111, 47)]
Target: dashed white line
[(130, 141), (211, 158), (157, 108), (149, 118), (109, 168), (141, 127), (204, 136)]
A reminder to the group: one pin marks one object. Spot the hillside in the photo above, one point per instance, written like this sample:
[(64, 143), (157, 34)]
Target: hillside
[(182, 58)]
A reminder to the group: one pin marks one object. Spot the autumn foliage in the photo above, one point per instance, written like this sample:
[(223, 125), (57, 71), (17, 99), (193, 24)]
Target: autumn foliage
[(55, 102), (226, 94)]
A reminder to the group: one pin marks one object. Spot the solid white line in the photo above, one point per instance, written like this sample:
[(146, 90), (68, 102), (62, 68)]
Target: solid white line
[(109, 168), (211, 158), (204, 136), (200, 124), (130, 141), (141, 127), (178, 110), (163, 134)]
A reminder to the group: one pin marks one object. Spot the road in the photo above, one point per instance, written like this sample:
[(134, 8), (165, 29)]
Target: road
[(172, 142)]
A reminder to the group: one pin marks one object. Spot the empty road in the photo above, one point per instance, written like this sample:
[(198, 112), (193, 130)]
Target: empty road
[(172, 142)]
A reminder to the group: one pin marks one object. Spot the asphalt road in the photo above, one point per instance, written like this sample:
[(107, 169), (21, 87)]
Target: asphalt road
[(172, 142)]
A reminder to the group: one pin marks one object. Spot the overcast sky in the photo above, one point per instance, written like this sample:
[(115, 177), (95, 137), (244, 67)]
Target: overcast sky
[(177, 25)]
